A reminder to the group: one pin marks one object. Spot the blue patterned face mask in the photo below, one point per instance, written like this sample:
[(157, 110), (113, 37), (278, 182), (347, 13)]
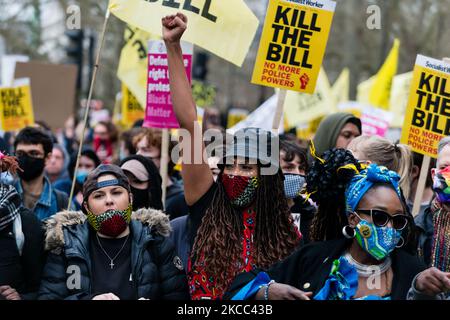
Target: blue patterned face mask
[(379, 242), (293, 184)]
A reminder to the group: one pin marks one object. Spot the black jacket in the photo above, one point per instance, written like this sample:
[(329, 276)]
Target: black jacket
[(156, 270), (307, 212), (22, 271), (308, 268)]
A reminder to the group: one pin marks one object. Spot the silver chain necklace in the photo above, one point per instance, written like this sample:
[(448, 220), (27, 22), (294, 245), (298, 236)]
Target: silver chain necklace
[(112, 259), (369, 270)]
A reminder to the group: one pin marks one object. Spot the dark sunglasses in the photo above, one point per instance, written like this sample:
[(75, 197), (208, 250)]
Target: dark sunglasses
[(381, 218)]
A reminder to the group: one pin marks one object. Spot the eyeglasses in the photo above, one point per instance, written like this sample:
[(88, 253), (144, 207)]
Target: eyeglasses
[(381, 218)]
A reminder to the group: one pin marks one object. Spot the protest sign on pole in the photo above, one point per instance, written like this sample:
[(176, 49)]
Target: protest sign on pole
[(159, 109), (292, 47), (427, 118), (16, 109), (131, 108), (293, 44), (226, 28)]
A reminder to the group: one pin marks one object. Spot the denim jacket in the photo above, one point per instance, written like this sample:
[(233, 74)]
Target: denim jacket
[(47, 204)]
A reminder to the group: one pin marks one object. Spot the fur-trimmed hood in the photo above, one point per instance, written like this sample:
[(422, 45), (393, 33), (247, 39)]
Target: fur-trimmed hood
[(156, 220)]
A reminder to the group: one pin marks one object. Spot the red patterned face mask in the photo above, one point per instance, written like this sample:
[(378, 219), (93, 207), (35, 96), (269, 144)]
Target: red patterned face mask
[(240, 190)]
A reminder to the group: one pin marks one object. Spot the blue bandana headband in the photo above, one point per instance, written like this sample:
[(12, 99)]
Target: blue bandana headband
[(362, 182)]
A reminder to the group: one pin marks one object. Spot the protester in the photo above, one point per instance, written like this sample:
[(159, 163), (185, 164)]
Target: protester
[(294, 165), (88, 162), (56, 168), (145, 182), (21, 242), (243, 220), (105, 139), (435, 244), (148, 144), (108, 242), (33, 149), (368, 249), (394, 156), (336, 130), (126, 143), (424, 218)]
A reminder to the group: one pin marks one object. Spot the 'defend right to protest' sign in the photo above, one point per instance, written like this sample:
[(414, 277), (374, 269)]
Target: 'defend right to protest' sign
[(293, 44), (159, 109), (427, 118)]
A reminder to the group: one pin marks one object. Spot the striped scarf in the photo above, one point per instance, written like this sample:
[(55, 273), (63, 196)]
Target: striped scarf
[(10, 203)]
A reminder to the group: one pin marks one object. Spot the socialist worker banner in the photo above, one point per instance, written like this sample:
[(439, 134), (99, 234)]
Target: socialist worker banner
[(427, 118), (293, 44)]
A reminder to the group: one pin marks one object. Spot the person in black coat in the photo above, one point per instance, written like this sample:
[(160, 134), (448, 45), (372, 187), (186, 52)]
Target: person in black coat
[(108, 252), (21, 243), (366, 263)]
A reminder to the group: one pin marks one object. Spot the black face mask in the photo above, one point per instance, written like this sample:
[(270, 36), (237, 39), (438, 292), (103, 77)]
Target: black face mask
[(141, 198), (32, 167)]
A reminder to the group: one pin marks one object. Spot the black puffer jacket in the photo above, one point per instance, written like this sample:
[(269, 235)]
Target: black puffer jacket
[(157, 272)]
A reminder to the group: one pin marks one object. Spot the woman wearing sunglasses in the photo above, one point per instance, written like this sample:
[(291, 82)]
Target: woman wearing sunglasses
[(365, 261)]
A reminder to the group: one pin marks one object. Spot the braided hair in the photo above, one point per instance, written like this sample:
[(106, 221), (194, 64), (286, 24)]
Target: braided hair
[(326, 182), (218, 239)]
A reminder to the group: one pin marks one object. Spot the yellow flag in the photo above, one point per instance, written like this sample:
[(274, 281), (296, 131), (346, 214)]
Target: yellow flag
[(132, 110), (300, 108), (380, 91), (16, 109), (226, 28), (399, 98), (341, 87), (132, 69), (363, 90)]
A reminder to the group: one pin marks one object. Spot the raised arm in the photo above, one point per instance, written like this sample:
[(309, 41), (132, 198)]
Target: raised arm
[(197, 177)]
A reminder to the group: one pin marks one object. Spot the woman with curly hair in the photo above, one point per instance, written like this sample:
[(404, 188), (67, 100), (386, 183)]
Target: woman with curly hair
[(358, 255), (240, 222)]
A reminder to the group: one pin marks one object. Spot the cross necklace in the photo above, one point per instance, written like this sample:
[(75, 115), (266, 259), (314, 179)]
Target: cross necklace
[(112, 259)]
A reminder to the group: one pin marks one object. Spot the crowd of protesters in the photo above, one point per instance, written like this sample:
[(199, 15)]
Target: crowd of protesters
[(331, 222)]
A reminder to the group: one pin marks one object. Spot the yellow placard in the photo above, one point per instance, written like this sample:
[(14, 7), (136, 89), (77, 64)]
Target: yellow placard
[(427, 118), (226, 28), (16, 107), (133, 64), (293, 44), (131, 108), (300, 108)]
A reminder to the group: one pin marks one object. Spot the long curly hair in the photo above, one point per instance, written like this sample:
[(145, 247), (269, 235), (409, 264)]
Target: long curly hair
[(218, 239)]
